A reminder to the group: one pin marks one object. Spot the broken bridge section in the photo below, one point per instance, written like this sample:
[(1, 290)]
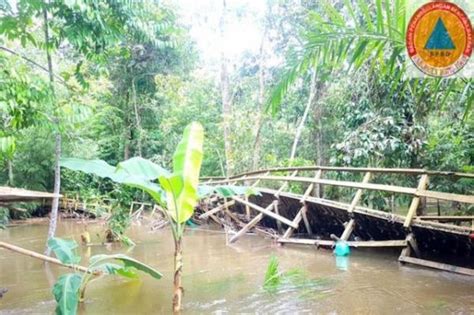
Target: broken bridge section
[(306, 206)]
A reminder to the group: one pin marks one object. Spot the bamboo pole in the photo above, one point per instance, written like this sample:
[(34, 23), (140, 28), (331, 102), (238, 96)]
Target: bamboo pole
[(306, 221), (348, 230), (217, 209), (296, 223), (268, 213), (358, 193), (331, 243), (415, 201), (407, 171), (42, 257), (285, 184), (248, 226), (436, 265), (380, 187)]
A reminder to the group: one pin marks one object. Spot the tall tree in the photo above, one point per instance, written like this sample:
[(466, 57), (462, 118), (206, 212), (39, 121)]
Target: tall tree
[(226, 96), (261, 101), (90, 28)]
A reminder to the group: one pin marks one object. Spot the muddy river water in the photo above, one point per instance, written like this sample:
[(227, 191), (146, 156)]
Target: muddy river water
[(223, 279)]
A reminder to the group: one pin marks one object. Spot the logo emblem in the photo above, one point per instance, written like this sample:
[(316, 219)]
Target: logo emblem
[(439, 39)]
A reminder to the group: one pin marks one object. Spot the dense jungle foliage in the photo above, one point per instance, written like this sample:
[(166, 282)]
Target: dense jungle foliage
[(326, 86)]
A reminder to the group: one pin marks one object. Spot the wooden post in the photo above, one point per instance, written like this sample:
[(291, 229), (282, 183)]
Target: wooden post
[(264, 211), (348, 230), (436, 265), (258, 180), (306, 221), (247, 208), (318, 187), (285, 184), (416, 200), (251, 224), (216, 209), (296, 223), (358, 194), (275, 208)]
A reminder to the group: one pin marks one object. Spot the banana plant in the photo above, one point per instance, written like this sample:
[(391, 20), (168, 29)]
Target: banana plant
[(177, 192), (70, 288)]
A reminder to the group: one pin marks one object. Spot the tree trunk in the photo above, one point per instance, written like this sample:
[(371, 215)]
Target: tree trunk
[(10, 173), (226, 102), (261, 100), (137, 119), (57, 151), (178, 270), (299, 130), (57, 186), (127, 133)]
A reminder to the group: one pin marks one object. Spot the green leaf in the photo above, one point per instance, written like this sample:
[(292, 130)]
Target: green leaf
[(272, 275), (135, 172), (173, 186), (66, 293), (95, 167), (124, 270), (64, 250), (226, 190), (141, 168), (116, 269), (187, 161)]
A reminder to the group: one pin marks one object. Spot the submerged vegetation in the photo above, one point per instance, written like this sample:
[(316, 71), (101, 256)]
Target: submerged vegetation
[(292, 280), (176, 192), (70, 288)]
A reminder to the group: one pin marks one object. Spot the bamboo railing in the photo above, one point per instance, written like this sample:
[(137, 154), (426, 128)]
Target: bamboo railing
[(266, 177)]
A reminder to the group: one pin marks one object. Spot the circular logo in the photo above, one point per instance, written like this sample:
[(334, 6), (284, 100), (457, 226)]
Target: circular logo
[(439, 39)]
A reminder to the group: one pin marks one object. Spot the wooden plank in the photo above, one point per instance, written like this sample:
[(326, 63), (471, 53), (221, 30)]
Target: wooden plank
[(302, 241), (311, 187), (436, 265), (306, 221), (348, 230), (217, 209), (213, 217), (415, 201), (296, 222), (275, 208), (413, 245), (285, 184), (358, 194), (268, 213), (447, 218), (249, 225), (407, 171), (247, 208), (445, 196), (257, 180), (380, 187), (389, 243), (358, 244)]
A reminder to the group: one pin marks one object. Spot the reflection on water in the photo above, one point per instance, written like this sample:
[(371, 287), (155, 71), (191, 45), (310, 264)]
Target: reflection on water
[(220, 278), (342, 262)]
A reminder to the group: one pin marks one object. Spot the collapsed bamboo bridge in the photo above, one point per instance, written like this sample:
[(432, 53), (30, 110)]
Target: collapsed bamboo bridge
[(299, 205), (444, 242)]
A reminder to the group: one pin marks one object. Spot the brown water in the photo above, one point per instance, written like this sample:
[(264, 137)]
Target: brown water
[(228, 279)]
